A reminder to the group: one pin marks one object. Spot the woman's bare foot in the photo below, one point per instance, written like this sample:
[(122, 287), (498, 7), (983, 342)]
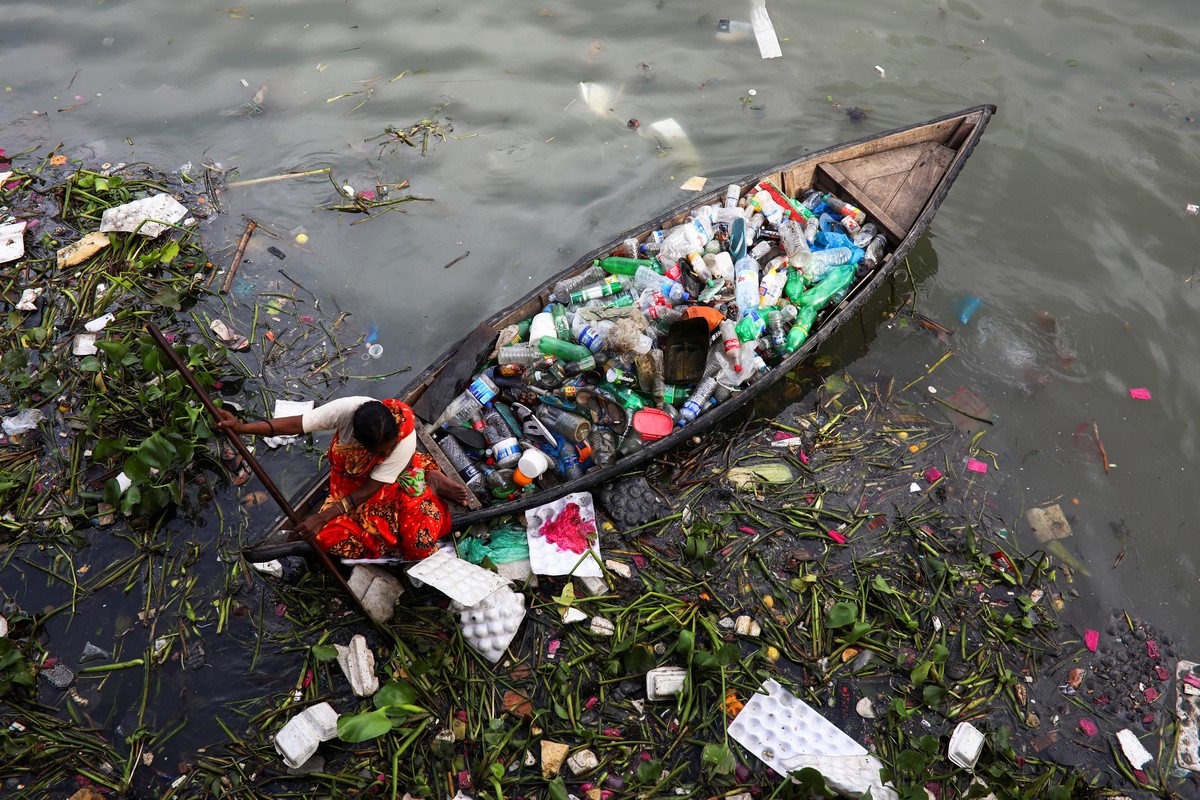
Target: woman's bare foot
[(447, 488)]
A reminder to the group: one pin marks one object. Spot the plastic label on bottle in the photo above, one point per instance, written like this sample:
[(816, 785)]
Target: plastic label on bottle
[(482, 391), (505, 449)]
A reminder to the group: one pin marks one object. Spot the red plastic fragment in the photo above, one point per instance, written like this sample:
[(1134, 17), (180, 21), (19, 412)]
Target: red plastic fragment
[(1191, 680), (1140, 393), (933, 474), (837, 537), (1091, 639), (1088, 727), (1150, 693), (1152, 649), (1161, 672)]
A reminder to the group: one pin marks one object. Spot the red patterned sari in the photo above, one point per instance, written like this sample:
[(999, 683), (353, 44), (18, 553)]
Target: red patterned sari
[(402, 519)]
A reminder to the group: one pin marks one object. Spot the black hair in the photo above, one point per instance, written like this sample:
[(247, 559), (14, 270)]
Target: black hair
[(374, 425)]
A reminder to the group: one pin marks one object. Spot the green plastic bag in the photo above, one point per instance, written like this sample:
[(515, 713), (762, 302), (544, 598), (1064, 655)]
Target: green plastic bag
[(504, 546)]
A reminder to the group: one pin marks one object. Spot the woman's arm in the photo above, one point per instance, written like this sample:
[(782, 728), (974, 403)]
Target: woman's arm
[(280, 426), (312, 524)]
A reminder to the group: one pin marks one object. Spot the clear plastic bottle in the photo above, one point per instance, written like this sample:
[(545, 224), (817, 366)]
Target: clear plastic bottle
[(564, 423), (568, 460), (689, 237), (766, 205), (795, 245), (479, 393), (874, 251), (745, 272), (646, 278), (699, 267), (771, 286), (811, 200), (564, 287), (731, 344), (733, 193), (777, 333), (604, 447), (698, 402), (753, 226), (823, 262), (865, 234), (720, 265), (524, 353), (502, 444), (462, 462), (590, 335)]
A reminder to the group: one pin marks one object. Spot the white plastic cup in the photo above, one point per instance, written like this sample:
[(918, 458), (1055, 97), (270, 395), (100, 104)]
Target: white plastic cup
[(375, 350)]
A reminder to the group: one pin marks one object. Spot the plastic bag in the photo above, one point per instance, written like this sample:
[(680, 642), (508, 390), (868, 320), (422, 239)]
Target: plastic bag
[(505, 546), (24, 422)]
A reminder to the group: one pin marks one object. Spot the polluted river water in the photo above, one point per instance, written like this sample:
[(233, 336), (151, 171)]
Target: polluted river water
[(1070, 224)]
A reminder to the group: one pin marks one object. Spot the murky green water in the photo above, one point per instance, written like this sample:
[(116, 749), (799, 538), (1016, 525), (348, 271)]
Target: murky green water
[(1074, 204)]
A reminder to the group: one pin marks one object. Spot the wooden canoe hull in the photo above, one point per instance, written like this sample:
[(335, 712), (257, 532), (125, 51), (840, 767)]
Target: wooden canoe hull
[(898, 177)]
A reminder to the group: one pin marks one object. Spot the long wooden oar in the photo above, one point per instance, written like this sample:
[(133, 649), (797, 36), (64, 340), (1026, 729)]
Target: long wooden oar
[(249, 458)]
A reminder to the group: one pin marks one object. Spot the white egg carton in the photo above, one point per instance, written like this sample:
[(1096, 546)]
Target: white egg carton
[(489, 626), (297, 741), (459, 579), (1187, 748), (787, 734), (548, 559)]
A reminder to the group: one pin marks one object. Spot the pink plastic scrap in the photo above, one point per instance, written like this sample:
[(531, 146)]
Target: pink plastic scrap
[(1091, 639), (837, 537), (569, 531), (974, 465), (1150, 693), (1140, 394), (1161, 672), (1191, 680), (933, 474), (1152, 649), (1088, 727)]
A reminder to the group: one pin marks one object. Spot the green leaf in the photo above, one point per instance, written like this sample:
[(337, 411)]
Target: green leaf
[(557, 790), (859, 630), (881, 585), (639, 659), (90, 364), (718, 759), (106, 449), (116, 351), (911, 762), (168, 297), (324, 652), (157, 452), (920, 673), (841, 614), (940, 653), (648, 772), (686, 644), (395, 693), (169, 252), (934, 695), (130, 500), (360, 727)]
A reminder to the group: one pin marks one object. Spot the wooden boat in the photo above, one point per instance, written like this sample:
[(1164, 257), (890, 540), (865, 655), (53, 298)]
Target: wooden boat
[(899, 178)]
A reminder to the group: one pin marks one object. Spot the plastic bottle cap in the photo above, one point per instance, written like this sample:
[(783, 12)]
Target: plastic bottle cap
[(521, 479)]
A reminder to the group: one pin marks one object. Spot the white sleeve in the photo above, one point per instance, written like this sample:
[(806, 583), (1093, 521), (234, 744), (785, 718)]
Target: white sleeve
[(336, 415), (389, 469)]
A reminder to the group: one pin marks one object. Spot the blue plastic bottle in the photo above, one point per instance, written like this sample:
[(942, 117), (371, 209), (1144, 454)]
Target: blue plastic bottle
[(970, 305)]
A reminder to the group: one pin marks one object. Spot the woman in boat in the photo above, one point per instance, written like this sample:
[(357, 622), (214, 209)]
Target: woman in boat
[(385, 499)]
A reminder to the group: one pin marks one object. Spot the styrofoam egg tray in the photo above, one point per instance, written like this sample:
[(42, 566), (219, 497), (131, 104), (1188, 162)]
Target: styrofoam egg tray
[(547, 558), (491, 624), (457, 578), (787, 734)]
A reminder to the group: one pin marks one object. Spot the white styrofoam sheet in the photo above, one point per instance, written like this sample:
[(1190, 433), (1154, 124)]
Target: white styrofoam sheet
[(547, 558), (12, 241), (1187, 706), (458, 579), (491, 624), (149, 213), (787, 734)]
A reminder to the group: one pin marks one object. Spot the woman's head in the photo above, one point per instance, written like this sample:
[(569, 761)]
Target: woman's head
[(374, 427)]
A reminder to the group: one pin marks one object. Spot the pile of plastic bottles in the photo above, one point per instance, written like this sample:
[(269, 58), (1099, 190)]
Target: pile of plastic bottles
[(584, 382)]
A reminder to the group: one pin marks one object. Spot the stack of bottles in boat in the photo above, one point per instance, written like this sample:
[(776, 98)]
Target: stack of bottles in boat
[(584, 382)]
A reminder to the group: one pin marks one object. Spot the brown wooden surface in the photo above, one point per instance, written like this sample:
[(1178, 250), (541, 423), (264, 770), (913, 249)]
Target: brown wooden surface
[(882, 165), (444, 462), (919, 185), (855, 194)]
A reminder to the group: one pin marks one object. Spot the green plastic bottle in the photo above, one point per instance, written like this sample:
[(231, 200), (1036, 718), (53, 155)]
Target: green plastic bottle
[(562, 322), (559, 348), (631, 400), (838, 278), (800, 328), (619, 265), (674, 394), (794, 288)]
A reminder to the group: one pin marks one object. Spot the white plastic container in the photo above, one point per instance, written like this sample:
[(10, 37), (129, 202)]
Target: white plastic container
[(298, 740), (966, 743), (664, 682), (542, 325)]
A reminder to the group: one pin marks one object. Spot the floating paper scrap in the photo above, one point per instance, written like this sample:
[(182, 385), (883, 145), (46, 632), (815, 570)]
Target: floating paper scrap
[(98, 324), (764, 31), (84, 344), (1132, 748), (287, 408), (82, 250), (457, 578), (787, 734), (1140, 394), (695, 184), (12, 241), (150, 213)]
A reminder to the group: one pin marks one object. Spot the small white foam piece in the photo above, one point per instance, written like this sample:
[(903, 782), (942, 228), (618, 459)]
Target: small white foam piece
[(29, 297), (966, 743), (376, 589), (358, 665), (84, 344), (491, 624), (664, 682), (457, 578), (99, 323), (1187, 747), (546, 558), (764, 31), (1132, 747), (124, 481), (12, 241), (5, 175), (787, 734), (297, 741), (274, 567), (153, 211), (285, 408), (573, 615)]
